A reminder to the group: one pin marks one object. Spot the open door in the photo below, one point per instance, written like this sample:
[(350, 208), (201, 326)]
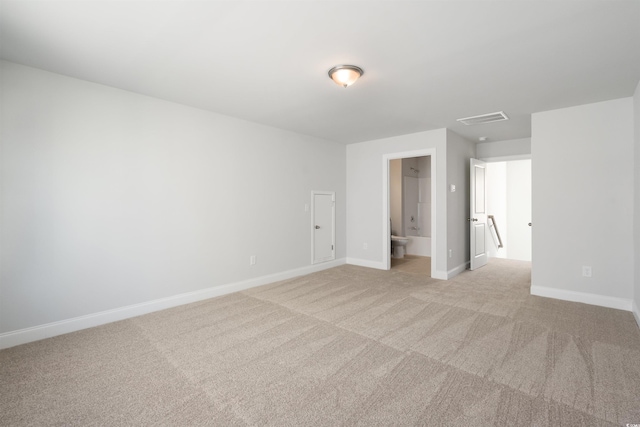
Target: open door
[(478, 215)]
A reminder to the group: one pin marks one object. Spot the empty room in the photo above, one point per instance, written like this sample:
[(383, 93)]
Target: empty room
[(320, 213)]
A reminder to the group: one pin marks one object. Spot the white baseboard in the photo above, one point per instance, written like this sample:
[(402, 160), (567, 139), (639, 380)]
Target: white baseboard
[(366, 263), (636, 312), (593, 299), (35, 333), (439, 274), (457, 270)]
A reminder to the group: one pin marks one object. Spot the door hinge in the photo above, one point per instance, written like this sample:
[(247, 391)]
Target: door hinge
[(331, 247)]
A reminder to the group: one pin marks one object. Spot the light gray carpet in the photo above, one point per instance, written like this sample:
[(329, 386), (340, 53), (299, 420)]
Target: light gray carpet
[(346, 346)]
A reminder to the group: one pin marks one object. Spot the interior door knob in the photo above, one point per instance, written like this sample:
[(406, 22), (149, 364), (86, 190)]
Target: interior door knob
[(317, 227), (529, 224), (472, 219)]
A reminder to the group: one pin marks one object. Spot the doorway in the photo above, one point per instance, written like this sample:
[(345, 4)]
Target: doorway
[(509, 201), (410, 205), (426, 202)]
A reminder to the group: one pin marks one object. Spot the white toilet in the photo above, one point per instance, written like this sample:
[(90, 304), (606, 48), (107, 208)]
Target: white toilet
[(397, 246)]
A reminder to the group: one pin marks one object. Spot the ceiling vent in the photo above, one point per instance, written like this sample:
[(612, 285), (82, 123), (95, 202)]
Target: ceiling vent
[(484, 118)]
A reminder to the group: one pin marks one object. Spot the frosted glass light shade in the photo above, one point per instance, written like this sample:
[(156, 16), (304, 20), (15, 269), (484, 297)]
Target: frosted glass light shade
[(345, 75)]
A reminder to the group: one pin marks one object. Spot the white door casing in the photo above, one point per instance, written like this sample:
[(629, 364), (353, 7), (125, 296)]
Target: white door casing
[(478, 215), (323, 225)]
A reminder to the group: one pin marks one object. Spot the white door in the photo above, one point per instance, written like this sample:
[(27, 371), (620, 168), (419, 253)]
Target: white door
[(478, 215), (323, 226)]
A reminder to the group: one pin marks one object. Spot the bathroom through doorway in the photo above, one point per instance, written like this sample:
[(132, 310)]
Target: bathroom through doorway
[(410, 213)]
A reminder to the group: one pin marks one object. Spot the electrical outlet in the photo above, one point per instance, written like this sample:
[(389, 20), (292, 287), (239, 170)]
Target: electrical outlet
[(306, 207), (365, 246), (252, 260), (586, 271)]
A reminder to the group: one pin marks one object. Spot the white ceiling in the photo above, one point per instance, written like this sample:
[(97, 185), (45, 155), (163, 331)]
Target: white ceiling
[(426, 63)]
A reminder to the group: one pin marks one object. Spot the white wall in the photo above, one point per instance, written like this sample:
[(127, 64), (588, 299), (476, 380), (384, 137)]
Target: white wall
[(636, 198), (366, 220), (513, 149), (110, 198), (459, 153), (518, 210), (365, 217), (582, 176)]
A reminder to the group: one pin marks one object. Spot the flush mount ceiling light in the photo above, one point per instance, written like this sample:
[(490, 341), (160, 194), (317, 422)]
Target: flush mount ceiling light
[(345, 75)]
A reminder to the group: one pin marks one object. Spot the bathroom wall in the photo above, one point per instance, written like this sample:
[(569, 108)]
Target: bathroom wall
[(395, 196), (417, 196), (417, 204), (410, 199)]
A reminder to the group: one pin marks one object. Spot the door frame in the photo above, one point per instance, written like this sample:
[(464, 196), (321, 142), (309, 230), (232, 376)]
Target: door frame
[(386, 208), (313, 223)]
